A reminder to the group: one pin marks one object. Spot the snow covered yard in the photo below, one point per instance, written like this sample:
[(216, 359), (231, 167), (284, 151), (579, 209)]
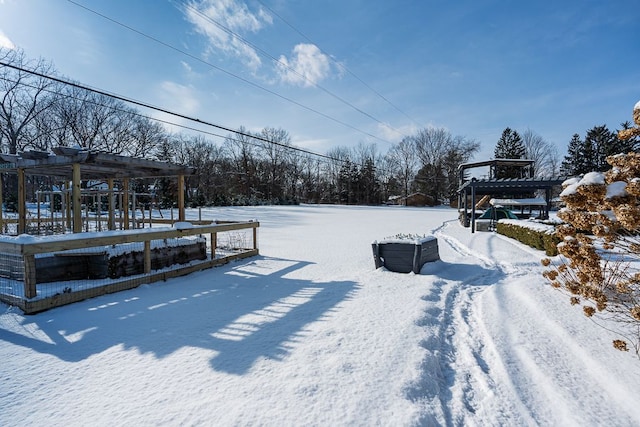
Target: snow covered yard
[(309, 333)]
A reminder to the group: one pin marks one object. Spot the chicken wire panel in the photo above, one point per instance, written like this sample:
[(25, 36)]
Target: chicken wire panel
[(12, 275), (62, 277), (233, 242), (87, 269)]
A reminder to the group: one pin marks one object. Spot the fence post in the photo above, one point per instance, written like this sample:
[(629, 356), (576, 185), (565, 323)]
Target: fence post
[(214, 244), (255, 237), (30, 276), (125, 203), (147, 256)]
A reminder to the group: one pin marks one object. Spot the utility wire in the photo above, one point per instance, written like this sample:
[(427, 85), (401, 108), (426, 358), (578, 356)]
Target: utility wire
[(172, 113), (321, 158), (326, 159), (339, 65), (222, 70), (278, 61)]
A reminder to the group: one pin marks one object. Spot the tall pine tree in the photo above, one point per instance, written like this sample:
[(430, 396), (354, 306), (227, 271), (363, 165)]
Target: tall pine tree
[(509, 146), (588, 158), (605, 143), (630, 144), (571, 163)]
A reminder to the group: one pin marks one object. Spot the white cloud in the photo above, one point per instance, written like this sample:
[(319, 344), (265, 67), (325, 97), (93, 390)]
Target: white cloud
[(187, 67), (395, 133), (183, 98), (5, 42), (218, 19), (178, 98), (307, 66)]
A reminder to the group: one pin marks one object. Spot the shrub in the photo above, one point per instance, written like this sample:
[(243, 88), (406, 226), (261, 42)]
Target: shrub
[(541, 238), (600, 247)]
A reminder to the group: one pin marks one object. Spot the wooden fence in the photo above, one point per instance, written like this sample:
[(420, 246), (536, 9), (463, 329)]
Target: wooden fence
[(20, 256)]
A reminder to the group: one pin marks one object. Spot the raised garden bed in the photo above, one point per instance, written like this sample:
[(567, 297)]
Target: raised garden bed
[(74, 265), (405, 254)]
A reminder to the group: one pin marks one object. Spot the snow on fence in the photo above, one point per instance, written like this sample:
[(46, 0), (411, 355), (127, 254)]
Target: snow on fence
[(38, 273)]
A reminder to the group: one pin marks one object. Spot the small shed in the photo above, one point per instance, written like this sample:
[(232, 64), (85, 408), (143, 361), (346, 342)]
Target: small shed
[(418, 199)]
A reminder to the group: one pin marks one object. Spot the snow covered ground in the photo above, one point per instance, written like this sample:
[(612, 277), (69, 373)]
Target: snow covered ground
[(309, 333)]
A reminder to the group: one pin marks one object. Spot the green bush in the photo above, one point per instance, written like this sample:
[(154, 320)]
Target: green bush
[(541, 240)]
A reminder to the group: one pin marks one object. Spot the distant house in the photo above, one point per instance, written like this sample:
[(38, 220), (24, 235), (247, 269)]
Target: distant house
[(394, 200), (418, 199)]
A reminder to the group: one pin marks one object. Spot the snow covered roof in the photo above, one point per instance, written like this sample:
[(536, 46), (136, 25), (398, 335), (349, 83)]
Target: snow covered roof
[(538, 201)]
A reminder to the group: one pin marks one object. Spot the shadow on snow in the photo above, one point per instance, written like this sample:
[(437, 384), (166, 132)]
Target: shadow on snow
[(242, 312)]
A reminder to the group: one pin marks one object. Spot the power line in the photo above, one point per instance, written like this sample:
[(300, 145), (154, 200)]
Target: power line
[(326, 159), (162, 110), (222, 70), (340, 65), (278, 61)]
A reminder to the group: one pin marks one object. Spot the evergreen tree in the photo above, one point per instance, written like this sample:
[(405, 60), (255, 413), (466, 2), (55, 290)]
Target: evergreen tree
[(347, 182), (509, 146), (631, 144), (369, 184), (166, 188), (429, 180), (571, 163), (588, 157), (604, 143)]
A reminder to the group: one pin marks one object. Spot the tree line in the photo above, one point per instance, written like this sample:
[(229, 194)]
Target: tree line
[(243, 167)]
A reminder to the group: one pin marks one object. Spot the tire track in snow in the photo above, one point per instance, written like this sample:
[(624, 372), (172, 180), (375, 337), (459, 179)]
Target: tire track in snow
[(447, 389), (500, 360), (549, 355)]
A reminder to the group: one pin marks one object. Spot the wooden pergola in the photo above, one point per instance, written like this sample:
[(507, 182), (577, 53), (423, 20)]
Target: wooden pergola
[(76, 165)]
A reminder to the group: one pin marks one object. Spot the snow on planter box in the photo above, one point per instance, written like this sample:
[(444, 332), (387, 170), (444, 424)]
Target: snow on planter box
[(404, 254)]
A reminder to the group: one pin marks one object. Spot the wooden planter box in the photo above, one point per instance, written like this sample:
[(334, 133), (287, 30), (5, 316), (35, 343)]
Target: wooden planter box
[(132, 263), (404, 256)]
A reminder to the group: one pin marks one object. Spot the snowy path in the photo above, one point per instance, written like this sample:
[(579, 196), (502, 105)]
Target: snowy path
[(504, 359)]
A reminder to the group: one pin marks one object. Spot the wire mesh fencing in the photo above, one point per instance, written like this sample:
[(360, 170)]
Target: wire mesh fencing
[(37, 273)]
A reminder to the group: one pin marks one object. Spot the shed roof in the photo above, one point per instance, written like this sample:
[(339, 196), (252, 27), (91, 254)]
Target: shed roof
[(93, 164)]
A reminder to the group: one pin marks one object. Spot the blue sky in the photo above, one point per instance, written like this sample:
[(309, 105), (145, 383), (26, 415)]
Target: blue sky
[(343, 72)]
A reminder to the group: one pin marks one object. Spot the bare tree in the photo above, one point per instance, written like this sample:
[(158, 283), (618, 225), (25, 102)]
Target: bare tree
[(431, 145), (542, 152), (241, 149), (23, 96), (274, 151), (146, 136), (403, 161)]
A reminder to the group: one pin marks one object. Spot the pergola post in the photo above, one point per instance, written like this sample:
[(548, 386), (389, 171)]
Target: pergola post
[(1, 222), (125, 202), (76, 199), (181, 215), (66, 204), (465, 218), (111, 222), (22, 203), (473, 207)]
